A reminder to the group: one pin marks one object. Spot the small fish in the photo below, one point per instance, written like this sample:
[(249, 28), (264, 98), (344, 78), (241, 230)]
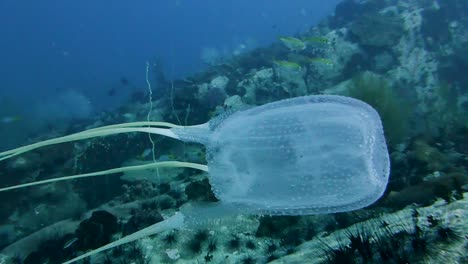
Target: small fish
[(9, 119), (168, 157), (129, 116), (124, 81), (69, 243), (287, 64), (293, 43), (322, 61), (316, 40), (144, 154), (111, 92)]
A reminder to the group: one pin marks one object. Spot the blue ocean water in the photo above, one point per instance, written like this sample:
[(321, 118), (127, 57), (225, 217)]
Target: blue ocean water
[(87, 46), (52, 50)]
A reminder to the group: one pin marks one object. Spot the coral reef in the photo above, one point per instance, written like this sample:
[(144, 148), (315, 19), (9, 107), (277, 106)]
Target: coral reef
[(378, 30)]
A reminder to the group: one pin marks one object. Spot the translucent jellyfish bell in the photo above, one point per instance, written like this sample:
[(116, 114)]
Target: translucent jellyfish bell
[(307, 155)]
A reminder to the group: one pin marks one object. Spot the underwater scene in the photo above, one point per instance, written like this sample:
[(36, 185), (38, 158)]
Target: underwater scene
[(309, 132)]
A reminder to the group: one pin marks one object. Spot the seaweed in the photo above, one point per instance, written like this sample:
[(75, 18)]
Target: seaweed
[(378, 93)]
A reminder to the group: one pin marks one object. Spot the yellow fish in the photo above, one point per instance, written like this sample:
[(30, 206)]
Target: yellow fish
[(321, 60), (287, 64), (292, 43), (144, 154), (316, 40), (9, 119)]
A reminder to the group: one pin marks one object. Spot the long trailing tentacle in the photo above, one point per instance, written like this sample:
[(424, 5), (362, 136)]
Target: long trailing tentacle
[(173, 222), (135, 124), (147, 127), (163, 164)]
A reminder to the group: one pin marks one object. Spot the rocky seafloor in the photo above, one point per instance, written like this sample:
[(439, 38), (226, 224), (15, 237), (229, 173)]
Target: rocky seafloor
[(407, 59)]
